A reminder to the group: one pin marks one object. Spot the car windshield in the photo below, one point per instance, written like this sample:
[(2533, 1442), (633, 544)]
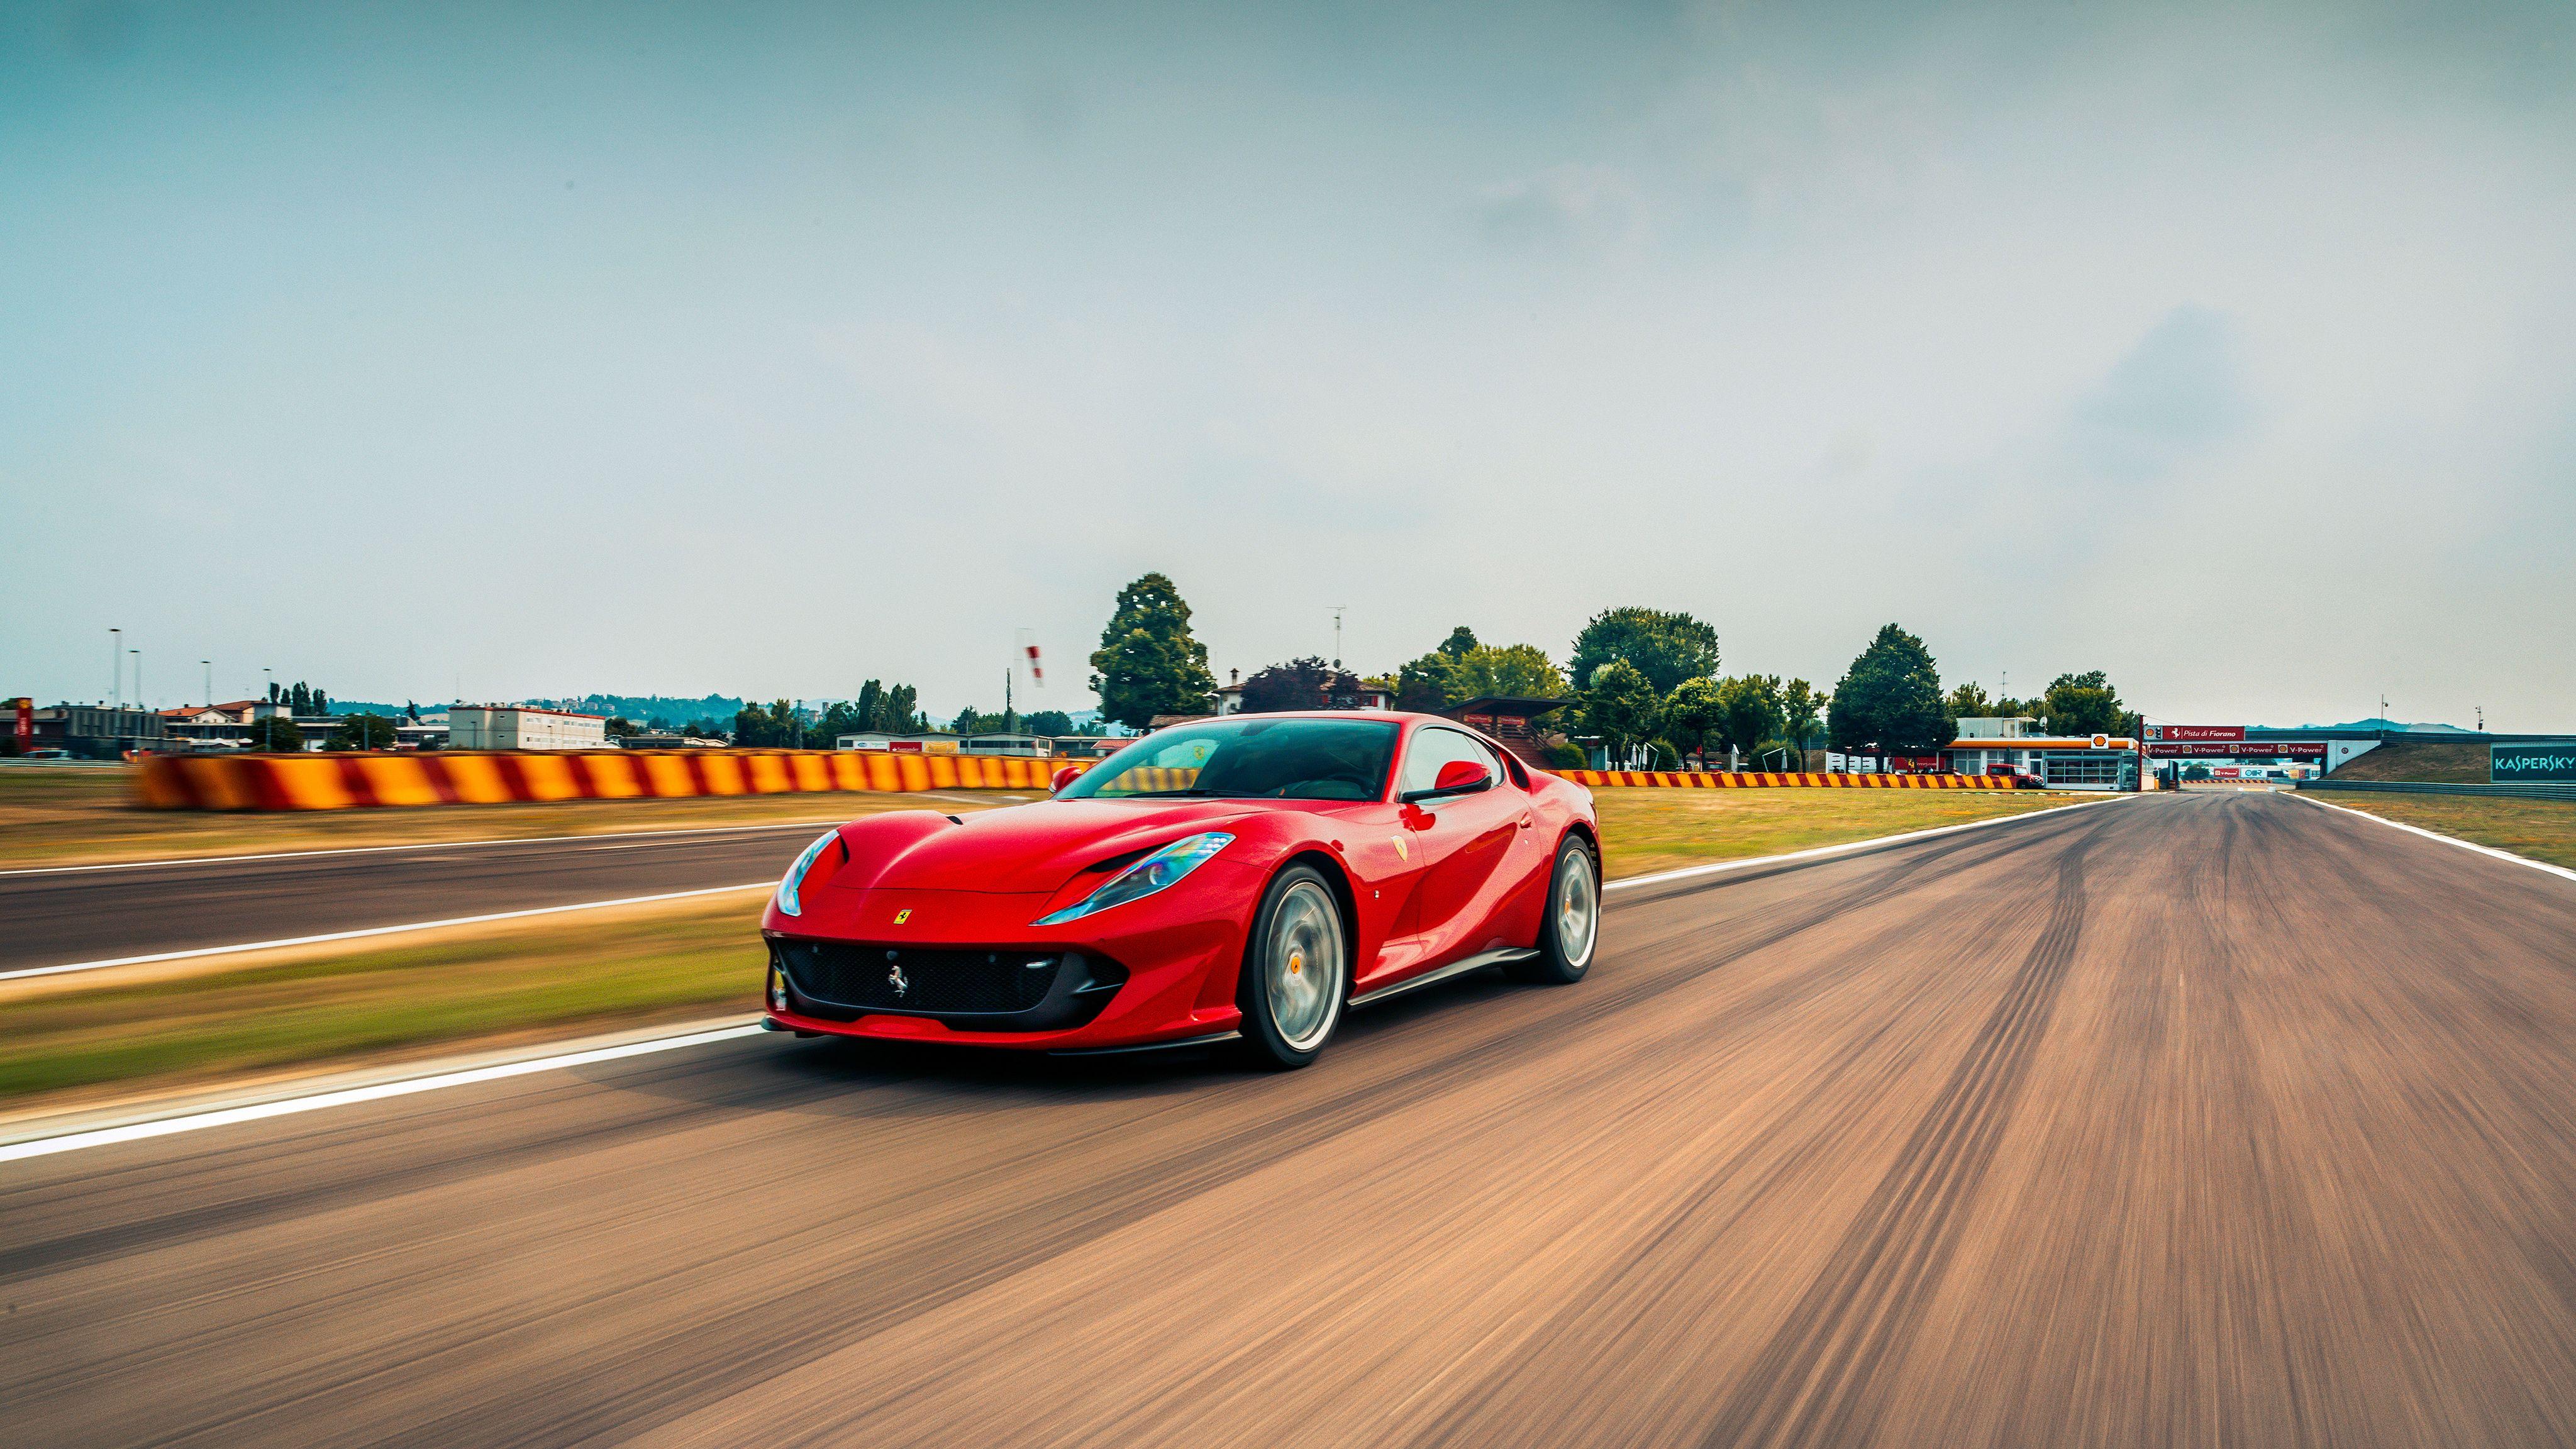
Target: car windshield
[(1251, 759)]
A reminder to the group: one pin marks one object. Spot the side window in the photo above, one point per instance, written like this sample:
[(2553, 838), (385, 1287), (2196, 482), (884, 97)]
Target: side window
[(1435, 747)]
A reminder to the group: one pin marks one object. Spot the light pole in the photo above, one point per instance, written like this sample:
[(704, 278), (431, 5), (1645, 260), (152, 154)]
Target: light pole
[(138, 676), (116, 667), (210, 682)]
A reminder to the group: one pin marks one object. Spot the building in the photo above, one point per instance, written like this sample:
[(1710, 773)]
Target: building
[(1512, 721), (97, 732), (665, 740), (1037, 746), (228, 726), (2062, 762), (520, 727), (929, 742)]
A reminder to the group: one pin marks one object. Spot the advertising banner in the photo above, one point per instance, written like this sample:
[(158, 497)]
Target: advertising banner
[(2532, 764), (25, 728), (2199, 732), (2257, 750)]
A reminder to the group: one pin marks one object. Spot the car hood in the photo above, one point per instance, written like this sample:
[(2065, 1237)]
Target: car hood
[(1026, 848)]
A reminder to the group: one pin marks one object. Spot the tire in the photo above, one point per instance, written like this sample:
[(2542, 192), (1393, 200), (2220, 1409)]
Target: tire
[(1570, 928), (1296, 974)]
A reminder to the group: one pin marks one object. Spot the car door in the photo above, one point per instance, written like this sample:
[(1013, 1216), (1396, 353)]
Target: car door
[(1460, 842)]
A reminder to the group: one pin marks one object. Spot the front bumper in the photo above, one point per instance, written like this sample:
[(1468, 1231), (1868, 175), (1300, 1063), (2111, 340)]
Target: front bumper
[(1143, 974)]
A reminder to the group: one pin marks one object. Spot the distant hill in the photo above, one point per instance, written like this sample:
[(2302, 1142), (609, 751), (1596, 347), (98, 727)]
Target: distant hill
[(2393, 726)]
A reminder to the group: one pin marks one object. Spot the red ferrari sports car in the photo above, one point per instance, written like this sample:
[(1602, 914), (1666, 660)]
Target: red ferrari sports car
[(1235, 880)]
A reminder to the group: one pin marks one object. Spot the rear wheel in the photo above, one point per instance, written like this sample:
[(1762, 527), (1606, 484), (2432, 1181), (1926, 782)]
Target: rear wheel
[(1572, 925), (1296, 972)]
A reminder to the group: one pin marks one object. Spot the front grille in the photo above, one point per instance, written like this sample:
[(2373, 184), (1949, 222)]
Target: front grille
[(912, 979)]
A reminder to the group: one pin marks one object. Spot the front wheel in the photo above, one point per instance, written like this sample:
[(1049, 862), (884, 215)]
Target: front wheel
[(1573, 922), (1296, 972)]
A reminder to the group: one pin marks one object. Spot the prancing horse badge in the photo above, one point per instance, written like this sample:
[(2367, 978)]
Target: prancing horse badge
[(903, 915)]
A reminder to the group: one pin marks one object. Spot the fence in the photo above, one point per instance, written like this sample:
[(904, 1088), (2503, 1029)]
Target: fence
[(2409, 787)]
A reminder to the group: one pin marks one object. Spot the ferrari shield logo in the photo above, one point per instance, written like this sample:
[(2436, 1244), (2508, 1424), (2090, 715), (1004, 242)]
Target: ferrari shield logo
[(903, 915), (1401, 853)]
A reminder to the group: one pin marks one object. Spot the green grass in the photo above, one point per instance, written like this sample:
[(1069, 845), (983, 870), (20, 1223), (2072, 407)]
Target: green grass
[(2434, 761), (80, 815), (537, 979), (2541, 829), (66, 1039), (1647, 829)]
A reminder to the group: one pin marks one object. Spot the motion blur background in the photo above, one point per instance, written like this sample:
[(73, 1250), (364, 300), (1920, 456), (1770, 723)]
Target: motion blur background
[(535, 348)]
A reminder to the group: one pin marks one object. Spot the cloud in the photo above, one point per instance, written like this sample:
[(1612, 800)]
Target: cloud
[(2177, 394), (1562, 210)]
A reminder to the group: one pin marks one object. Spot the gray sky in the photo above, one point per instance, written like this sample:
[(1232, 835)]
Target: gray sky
[(765, 349)]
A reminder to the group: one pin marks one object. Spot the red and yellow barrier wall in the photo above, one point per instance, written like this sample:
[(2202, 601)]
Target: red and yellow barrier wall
[(1692, 779), (357, 781), (354, 781)]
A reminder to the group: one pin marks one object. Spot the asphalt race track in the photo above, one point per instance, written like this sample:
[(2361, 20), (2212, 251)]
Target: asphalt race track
[(57, 916), (2204, 1119)]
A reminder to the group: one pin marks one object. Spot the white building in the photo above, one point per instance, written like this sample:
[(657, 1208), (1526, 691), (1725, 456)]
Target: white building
[(518, 727)]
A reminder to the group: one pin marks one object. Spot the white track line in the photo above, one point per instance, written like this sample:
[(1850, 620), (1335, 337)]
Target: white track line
[(1851, 845), (426, 845), (230, 1116), (139, 1131), (2557, 870), (359, 935)]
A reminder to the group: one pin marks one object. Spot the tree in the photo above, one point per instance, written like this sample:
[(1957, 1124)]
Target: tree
[(2083, 704), (774, 728), (411, 710), (1513, 671), (1460, 643), (1749, 711), (1429, 684), (1307, 683), (300, 699), (901, 714), (1148, 662), (1691, 714), (361, 732), (865, 709), (1447, 675), (276, 733), (1621, 706), (1799, 706), (321, 702), (1665, 647), (274, 691), (1969, 701), (1050, 722), (619, 727), (1891, 698)]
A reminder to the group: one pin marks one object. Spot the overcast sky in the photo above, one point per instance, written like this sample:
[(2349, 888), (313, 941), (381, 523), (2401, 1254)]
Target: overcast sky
[(763, 349)]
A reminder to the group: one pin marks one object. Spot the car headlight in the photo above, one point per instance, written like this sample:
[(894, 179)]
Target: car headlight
[(1163, 868), (787, 884)]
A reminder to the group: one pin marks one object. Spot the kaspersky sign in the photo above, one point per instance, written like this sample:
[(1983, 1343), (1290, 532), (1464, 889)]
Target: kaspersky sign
[(2531, 764)]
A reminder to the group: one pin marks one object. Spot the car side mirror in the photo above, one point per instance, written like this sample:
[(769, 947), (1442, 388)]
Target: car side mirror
[(1064, 775), (1458, 777)]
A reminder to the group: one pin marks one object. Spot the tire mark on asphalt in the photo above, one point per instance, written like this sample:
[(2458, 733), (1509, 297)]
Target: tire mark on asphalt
[(1816, 1381), (865, 1295)]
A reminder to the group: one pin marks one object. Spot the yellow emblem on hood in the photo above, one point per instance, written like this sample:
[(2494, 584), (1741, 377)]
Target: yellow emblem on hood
[(903, 915), (1400, 852)]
